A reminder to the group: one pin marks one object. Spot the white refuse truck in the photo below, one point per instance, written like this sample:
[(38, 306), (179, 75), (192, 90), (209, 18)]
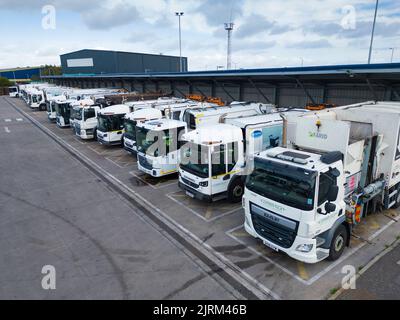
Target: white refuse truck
[(110, 124), (163, 160), (130, 123), (339, 166), (36, 99), (175, 110), (215, 159), (13, 91)]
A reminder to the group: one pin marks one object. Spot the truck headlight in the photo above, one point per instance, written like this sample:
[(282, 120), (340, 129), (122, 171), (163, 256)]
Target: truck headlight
[(305, 247), (203, 184)]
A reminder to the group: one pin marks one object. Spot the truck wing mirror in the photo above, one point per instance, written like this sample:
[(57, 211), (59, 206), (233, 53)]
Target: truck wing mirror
[(330, 207), (333, 193)]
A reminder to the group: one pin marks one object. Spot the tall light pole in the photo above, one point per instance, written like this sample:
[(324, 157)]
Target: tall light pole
[(373, 31), (391, 59), (179, 15), (229, 28)]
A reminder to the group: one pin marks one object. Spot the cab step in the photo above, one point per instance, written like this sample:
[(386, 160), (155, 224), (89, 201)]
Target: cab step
[(320, 241), (321, 255)]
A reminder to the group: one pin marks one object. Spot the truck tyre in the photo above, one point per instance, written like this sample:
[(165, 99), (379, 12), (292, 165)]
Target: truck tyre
[(95, 135), (338, 243), (235, 191)]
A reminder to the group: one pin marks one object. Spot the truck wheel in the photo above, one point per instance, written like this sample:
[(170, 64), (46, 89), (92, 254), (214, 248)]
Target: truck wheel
[(338, 243), (95, 135), (235, 191)]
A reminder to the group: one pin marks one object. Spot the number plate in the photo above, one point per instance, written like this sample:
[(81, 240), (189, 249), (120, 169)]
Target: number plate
[(271, 246), (190, 194)]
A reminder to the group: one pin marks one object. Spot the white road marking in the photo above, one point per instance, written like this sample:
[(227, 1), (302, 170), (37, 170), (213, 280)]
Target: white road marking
[(7, 130), (7, 120), (398, 262), (19, 119), (199, 214)]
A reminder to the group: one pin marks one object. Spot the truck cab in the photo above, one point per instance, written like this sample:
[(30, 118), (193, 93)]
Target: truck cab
[(51, 107), (86, 121), (130, 123), (291, 203), (209, 158), (110, 124), (13, 92), (63, 111), (37, 100), (158, 144)]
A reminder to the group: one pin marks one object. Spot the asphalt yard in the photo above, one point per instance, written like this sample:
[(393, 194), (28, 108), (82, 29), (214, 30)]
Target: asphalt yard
[(138, 248)]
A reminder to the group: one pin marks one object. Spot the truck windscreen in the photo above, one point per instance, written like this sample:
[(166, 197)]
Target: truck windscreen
[(195, 159), (108, 123), (283, 183), (130, 129)]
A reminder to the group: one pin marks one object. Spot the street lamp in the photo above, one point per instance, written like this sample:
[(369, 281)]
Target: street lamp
[(391, 59), (179, 15), (373, 31)]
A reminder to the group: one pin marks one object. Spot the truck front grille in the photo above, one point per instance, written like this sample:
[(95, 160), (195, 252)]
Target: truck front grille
[(190, 183), (273, 231), (144, 163)]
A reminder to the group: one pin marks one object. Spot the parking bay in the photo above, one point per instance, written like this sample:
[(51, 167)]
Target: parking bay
[(220, 225)]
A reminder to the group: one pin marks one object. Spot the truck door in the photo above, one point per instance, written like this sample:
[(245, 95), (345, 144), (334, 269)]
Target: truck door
[(324, 219), (219, 177)]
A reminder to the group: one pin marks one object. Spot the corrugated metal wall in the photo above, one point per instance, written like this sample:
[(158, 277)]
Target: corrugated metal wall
[(108, 62), (284, 95)]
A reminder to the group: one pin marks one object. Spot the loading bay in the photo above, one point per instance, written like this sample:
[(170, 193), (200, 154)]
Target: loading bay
[(112, 232)]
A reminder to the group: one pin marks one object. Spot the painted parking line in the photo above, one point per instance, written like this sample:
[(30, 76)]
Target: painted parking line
[(231, 233), (19, 119), (7, 130), (7, 120), (316, 277), (211, 212)]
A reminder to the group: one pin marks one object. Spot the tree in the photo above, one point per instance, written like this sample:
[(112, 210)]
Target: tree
[(4, 82), (50, 70)]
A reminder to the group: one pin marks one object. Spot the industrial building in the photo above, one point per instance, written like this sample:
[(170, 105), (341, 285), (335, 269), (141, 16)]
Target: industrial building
[(286, 87), (20, 74), (97, 62)]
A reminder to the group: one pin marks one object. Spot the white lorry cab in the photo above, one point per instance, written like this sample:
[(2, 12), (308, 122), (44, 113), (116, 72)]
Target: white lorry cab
[(36, 99), (13, 92), (86, 121), (130, 123), (216, 159), (110, 124), (158, 144), (165, 160), (175, 110), (51, 106), (76, 111), (339, 165), (63, 112)]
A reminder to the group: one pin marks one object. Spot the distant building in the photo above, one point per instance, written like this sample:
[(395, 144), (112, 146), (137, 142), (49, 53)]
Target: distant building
[(20, 74), (94, 62)]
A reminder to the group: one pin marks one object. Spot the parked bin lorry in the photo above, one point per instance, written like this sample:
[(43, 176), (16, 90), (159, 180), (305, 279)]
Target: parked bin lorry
[(339, 165), (167, 134), (110, 124), (215, 159)]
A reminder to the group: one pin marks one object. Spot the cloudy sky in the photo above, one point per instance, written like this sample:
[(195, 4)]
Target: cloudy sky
[(268, 33)]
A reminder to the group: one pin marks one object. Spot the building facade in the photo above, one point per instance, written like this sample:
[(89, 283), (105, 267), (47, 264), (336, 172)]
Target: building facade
[(95, 62)]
